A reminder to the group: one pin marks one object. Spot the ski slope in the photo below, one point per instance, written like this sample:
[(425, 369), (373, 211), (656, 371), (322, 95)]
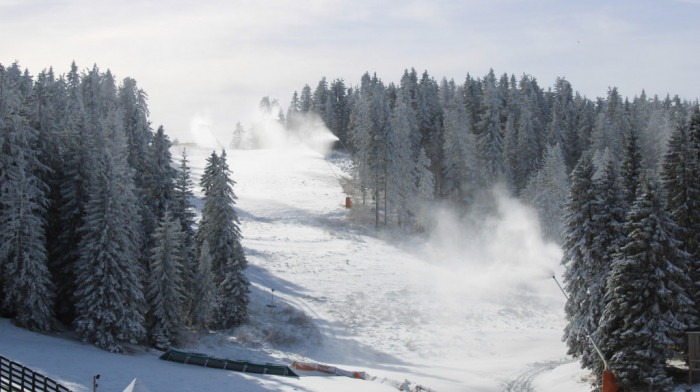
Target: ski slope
[(462, 309)]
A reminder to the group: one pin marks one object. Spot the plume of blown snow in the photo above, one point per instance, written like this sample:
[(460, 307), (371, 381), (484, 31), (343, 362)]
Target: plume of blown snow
[(270, 132), (202, 130), (496, 255)]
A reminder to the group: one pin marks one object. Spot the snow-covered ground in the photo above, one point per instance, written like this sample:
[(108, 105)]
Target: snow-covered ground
[(461, 310)]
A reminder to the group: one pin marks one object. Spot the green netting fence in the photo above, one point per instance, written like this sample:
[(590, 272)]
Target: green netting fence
[(227, 364)]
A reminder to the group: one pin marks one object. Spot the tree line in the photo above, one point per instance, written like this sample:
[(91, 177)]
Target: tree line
[(98, 228), (614, 181)]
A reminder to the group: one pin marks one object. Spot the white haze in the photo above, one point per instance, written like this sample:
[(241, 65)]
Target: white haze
[(494, 256), (201, 130), (268, 132)]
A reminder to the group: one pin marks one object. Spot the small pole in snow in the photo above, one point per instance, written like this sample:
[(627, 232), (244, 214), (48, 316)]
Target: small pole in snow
[(272, 299), (94, 382), (597, 349), (560, 288)]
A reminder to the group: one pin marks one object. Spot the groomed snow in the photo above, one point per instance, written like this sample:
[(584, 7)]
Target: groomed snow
[(461, 310)]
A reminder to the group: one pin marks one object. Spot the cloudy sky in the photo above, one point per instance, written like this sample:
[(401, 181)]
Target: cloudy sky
[(208, 63)]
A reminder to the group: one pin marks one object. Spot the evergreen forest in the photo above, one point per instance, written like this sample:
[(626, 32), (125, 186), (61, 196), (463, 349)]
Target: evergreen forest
[(98, 228), (614, 182)]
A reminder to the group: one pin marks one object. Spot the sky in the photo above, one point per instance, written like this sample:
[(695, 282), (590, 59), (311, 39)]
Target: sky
[(206, 64)]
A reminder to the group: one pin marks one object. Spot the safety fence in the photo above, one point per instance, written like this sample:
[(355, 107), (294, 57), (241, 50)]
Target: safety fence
[(15, 377)]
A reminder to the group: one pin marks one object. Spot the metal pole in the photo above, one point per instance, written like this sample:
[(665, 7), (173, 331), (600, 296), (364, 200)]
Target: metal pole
[(597, 349), (94, 382)]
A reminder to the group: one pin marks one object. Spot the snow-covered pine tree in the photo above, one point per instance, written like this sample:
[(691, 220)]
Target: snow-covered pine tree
[(426, 183), (380, 115), (165, 289), (369, 127), (655, 132), (460, 154), (27, 290), (631, 168), (341, 110), (400, 182), (203, 310), (109, 296), (429, 121), (609, 217), (680, 173), (694, 236), (360, 135), (611, 126), (183, 212), (160, 176), (473, 94), (292, 123), (547, 192), (209, 173), (648, 306), (137, 128), (490, 133), (220, 227), (562, 129), (320, 98), (305, 99), (409, 85), (585, 119), (510, 144), (580, 232), (74, 147), (330, 115), (238, 132), (528, 143), (45, 106)]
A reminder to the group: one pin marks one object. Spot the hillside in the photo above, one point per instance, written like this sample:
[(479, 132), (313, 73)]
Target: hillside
[(461, 309)]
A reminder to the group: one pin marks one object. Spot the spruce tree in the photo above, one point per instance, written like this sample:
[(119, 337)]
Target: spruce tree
[(305, 100), (159, 175), (400, 182), (341, 109), (202, 312), (631, 168), (220, 228), (109, 295), (183, 212), (490, 133), (27, 290), (237, 139), (429, 121), (580, 232), (74, 144), (680, 173), (694, 210), (648, 307), (609, 218), (165, 290), (562, 129), (425, 180), (461, 173), (527, 149), (547, 191)]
